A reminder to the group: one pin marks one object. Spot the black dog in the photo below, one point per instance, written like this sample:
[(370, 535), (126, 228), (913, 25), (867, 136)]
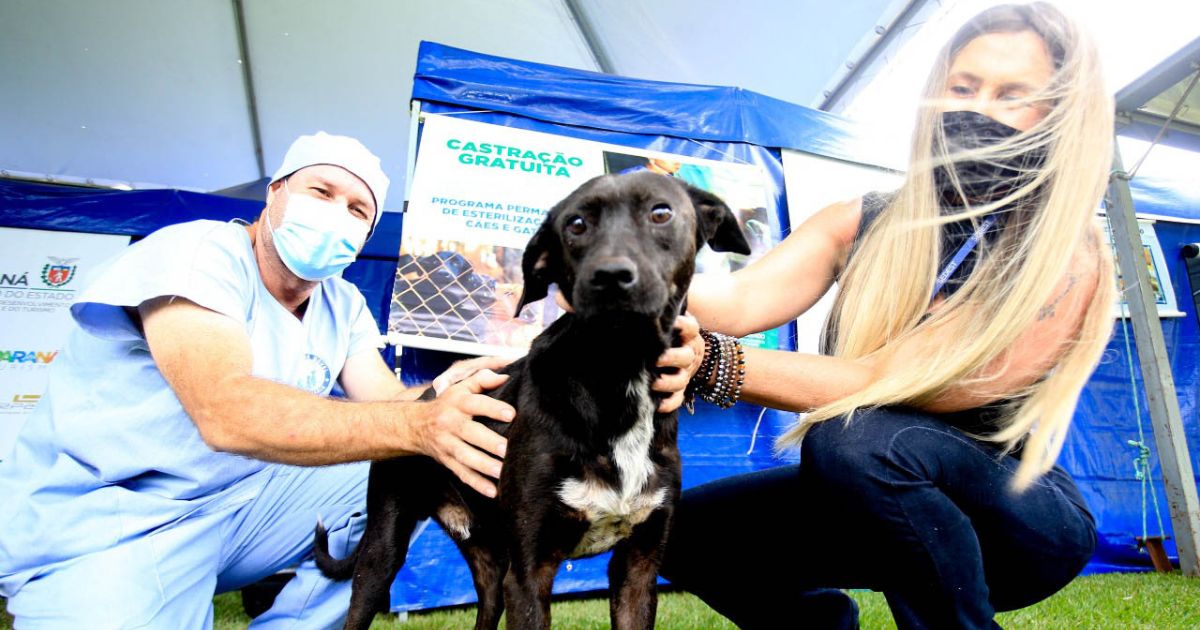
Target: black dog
[(590, 465)]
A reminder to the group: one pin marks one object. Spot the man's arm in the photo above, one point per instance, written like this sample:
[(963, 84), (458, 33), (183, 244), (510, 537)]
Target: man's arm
[(206, 359), (365, 377)]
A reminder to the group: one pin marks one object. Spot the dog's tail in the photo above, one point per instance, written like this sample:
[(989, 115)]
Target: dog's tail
[(333, 568)]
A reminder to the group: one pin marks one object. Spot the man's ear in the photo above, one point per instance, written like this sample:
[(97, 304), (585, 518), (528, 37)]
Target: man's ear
[(273, 191), (715, 223), (542, 263)]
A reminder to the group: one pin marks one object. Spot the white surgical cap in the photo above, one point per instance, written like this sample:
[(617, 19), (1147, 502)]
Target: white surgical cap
[(343, 151)]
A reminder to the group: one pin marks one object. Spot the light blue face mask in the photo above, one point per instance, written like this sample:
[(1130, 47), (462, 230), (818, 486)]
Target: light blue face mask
[(317, 239)]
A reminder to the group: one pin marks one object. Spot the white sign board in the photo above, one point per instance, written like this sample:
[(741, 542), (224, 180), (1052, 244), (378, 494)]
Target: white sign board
[(40, 274), (812, 183)]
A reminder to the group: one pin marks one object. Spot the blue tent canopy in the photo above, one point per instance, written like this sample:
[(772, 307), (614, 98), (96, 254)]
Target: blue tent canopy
[(580, 98), (1167, 184)]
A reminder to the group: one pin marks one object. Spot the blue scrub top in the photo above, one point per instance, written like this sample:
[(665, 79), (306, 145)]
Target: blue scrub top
[(109, 453)]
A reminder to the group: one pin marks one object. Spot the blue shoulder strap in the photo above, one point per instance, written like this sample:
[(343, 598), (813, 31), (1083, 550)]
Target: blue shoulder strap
[(961, 254)]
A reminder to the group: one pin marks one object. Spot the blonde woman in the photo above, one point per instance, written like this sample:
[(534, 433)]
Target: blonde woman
[(975, 302)]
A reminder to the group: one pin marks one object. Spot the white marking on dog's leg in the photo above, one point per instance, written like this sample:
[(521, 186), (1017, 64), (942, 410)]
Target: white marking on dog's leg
[(456, 520)]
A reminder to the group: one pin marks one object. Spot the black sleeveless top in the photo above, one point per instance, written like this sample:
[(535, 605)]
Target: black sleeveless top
[(954, 235), (979, 421)]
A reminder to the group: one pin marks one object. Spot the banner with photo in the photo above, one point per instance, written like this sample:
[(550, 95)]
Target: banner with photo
[(480, 191), (1156, 268), (40, 274)]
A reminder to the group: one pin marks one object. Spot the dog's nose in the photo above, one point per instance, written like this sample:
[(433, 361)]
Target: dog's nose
[(618, 273)]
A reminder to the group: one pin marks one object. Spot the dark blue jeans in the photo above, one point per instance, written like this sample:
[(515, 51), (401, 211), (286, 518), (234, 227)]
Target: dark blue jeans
[(900, 502)]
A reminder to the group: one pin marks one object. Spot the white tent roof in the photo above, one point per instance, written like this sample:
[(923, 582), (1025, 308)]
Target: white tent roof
[(155, 93), (186, 93)]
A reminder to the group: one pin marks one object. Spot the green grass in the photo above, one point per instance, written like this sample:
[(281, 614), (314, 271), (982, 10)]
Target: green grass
[(1141, 600)]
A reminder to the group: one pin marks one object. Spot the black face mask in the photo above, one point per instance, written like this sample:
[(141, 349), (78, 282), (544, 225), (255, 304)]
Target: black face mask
[(982, 180)]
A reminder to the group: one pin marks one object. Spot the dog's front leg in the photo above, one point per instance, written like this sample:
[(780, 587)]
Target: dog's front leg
[(633, 574), (527, 593)]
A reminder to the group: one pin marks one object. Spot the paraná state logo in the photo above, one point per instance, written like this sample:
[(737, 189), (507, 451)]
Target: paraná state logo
[(58, 271)]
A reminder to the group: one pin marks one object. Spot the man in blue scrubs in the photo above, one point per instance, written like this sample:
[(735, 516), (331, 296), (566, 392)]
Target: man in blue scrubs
[(186, 444)]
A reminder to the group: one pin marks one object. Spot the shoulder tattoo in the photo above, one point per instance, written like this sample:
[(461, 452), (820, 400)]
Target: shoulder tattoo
[(1048, 310)]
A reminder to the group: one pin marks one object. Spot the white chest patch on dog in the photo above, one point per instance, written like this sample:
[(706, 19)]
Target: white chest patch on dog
[(613, 511)]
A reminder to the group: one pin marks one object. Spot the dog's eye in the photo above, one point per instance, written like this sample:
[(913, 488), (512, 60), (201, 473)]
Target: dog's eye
[(577, 226), (661, 214)]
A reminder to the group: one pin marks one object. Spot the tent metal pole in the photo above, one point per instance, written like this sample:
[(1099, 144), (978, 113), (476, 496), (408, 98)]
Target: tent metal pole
[(239, 18), (1158, 382), (854, 67), (414, 132), (589, 36)]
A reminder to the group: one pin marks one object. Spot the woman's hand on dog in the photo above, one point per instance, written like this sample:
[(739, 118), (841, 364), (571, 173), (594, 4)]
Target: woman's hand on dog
[(450, 434), (685, 360)]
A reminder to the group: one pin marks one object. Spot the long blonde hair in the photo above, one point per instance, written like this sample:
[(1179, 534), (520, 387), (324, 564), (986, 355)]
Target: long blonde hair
[(886, 288)]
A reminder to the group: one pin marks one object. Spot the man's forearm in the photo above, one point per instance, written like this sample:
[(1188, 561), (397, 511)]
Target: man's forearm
[(273, 422), (410, 394)]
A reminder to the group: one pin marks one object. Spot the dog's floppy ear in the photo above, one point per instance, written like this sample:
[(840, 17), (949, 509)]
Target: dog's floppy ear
[(541, 263), (715, 223)]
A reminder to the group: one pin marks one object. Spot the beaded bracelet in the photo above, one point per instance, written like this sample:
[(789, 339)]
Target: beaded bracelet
[(702, 376), (724, 357)]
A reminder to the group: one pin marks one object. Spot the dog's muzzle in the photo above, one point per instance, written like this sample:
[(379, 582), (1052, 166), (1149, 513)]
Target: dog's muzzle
[(614, 276), (616, 284)]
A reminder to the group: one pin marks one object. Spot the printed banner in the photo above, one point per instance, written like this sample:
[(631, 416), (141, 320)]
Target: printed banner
[(40, 274), (480, 191), (1156, 267)]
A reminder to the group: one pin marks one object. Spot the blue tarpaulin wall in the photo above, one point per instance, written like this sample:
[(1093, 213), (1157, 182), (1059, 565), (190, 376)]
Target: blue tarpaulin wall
[(710, 123), (1097, 452)]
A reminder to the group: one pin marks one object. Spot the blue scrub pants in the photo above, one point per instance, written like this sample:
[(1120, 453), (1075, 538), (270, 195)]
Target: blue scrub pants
[(899, 501), (167, 579)]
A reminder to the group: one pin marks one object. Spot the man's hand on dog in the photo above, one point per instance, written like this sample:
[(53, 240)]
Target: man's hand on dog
[(462, 369), (677, 365), (450, 435)]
